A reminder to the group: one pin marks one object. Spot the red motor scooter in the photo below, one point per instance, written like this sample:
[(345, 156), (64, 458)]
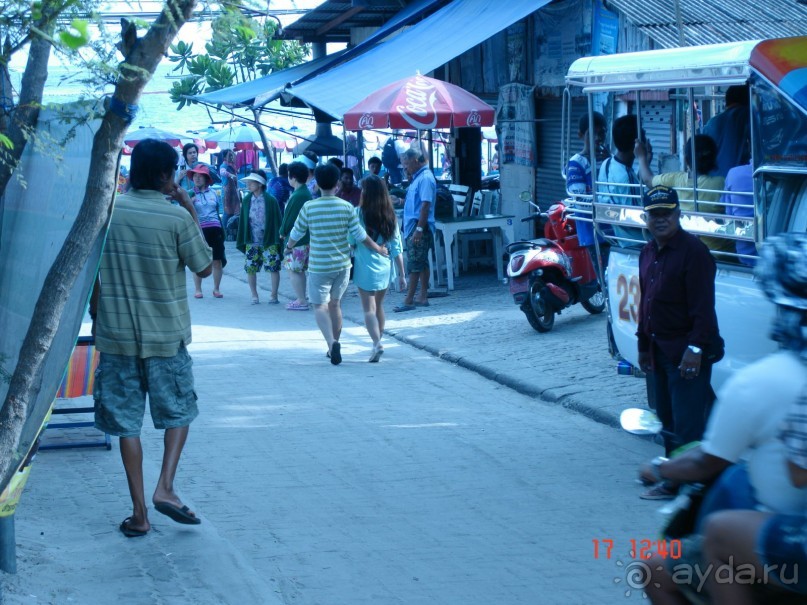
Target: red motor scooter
[(554, 272)]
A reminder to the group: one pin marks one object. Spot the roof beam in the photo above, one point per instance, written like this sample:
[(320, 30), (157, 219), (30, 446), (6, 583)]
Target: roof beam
[(344, 16)]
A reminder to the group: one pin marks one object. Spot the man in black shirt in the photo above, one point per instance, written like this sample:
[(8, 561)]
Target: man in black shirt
[(678, 334)]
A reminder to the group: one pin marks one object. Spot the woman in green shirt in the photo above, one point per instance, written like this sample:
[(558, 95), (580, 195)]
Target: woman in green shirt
[(296, 261), (259, 234)]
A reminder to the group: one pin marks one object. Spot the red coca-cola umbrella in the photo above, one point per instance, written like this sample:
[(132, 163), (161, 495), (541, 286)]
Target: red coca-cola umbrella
[(421, 103)]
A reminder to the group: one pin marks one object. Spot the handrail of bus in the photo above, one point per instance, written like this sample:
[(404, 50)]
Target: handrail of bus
[(684, 213), (737, 79), (787, 170), (565, 133)]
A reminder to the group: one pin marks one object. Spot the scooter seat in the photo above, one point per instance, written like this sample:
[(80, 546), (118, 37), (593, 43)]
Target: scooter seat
[(529, 245)]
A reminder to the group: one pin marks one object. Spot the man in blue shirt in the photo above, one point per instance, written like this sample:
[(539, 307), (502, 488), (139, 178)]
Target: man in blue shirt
[(418, 227), (579, 183)]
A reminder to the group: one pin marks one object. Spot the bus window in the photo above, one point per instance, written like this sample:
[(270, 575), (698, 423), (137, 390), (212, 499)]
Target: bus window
[(798, 223), (785, 202)]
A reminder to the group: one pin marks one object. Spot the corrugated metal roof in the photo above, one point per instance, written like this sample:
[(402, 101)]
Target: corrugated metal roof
[(333, 20), (715, 21)]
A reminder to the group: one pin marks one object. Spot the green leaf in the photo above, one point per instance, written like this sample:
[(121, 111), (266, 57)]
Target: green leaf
[(6, 142), (77, 36)]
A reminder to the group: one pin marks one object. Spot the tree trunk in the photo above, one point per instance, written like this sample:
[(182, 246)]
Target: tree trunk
[(267, 146), (24, 117), (95, 209)]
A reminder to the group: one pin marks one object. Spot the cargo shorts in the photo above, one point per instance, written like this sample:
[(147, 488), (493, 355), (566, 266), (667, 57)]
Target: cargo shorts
[(417, 254), (122, 383)]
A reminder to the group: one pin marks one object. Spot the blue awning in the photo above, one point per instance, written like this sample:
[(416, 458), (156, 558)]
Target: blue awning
[(259, 92), (425, 46), (265, 89)]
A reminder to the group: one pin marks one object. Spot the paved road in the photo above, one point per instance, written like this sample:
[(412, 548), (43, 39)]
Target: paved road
[(409, 481)]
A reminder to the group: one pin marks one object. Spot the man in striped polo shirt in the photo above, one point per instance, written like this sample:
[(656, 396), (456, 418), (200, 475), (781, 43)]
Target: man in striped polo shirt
[(329, 220), (142, 325)]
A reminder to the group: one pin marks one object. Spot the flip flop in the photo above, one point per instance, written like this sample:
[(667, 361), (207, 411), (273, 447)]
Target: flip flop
[(255, 301), (274, 301), (402, 308), (198, 295), (130, 532), (218, 295), (180, 515), (295, 306), (336, 353), (422, 304)]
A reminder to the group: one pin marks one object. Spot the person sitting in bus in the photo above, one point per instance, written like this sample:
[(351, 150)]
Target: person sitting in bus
[(708, 182), (729, 129), (578, 181), (741, 180), (621, 185)]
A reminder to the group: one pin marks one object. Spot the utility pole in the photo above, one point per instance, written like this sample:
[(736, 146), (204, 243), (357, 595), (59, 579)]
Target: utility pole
[(680, 23)]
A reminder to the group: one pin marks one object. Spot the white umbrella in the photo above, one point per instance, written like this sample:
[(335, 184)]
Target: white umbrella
[(135, 136), (236, 137)]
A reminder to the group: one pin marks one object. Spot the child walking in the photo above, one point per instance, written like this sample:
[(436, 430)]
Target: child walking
[(259, 234)]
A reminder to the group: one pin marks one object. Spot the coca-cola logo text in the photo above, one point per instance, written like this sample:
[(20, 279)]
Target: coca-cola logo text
[(419, 98), (366, 121), (474, 119)]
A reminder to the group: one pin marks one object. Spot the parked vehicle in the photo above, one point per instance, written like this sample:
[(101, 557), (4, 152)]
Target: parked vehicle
[(552, 273), (660, 88)]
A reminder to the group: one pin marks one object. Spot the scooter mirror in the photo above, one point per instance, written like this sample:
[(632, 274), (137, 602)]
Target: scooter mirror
[(525, 196), (640, 422)]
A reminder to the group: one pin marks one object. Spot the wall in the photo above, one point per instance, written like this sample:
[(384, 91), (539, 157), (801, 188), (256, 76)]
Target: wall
[(514, 180)]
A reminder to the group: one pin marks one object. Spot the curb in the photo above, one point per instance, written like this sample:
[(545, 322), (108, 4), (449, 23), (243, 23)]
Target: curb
[(524, 388)]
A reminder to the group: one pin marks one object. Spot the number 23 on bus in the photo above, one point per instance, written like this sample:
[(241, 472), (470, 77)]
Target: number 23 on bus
[(629, 297)]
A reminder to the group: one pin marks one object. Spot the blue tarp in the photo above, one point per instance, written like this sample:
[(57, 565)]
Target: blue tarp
[(425, 46), (268, 88), (41, 203)]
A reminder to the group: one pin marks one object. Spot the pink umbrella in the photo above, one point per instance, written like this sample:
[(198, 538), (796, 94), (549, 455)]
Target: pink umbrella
[(421, 103)]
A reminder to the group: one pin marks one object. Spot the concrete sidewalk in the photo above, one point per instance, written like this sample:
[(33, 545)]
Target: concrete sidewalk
[(407, 482), (478, 327)]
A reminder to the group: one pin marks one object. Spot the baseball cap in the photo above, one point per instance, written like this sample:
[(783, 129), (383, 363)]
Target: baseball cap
[(660, 198)]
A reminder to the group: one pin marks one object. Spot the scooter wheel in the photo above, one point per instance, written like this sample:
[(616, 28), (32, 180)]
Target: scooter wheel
[(541, 318)]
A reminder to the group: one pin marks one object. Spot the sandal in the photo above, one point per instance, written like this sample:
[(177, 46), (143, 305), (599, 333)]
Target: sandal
[(402, 308), (255, 301), (217, 294), (274, 301), (295, 306), (662, 491), (198, 295)]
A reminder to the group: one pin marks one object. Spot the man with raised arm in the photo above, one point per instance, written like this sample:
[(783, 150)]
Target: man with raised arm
[(142, 326)]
